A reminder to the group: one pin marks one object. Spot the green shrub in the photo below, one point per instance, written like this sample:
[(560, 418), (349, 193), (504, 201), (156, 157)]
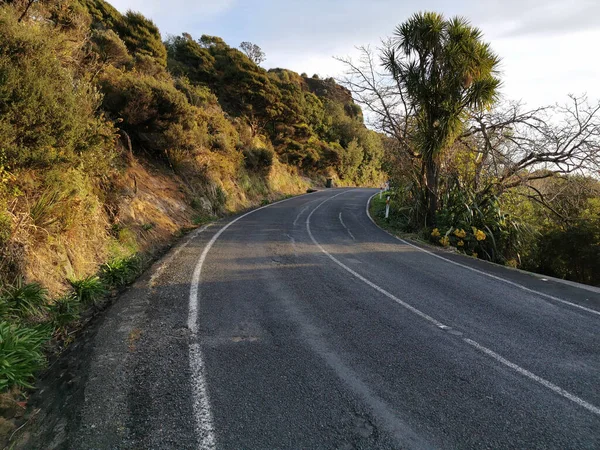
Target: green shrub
[(24, 300), (21, 353), (156, 115), (64, 311), (89, 289), (47, 113), (121, 271), (258, 159), (41, 212), (572, 252), (5, 227)]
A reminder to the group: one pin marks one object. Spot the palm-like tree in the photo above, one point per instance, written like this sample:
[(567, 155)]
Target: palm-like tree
[(445, 70)]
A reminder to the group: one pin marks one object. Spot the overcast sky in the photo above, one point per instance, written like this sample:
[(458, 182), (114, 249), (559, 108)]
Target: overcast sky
[(549, 48)]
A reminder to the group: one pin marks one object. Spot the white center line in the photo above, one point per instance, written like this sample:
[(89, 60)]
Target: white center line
[(344, 225), (299, 214), (496, 356)]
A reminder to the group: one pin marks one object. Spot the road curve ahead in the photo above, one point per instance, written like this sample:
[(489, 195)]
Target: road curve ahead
[(302, 325)]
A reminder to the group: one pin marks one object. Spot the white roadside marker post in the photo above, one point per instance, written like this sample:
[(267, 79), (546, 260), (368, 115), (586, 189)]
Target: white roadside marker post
[(387, 207), (380, 192)]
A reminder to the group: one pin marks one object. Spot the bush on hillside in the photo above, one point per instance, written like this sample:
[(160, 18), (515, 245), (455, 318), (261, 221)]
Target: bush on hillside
[(47, 113), (153, 112), (258, 159)]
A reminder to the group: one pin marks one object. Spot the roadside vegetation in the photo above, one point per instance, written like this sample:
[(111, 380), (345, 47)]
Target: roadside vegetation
[(476, 172), (113, 142)]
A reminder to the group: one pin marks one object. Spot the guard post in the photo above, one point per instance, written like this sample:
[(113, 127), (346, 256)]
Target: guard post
[(387, 207)]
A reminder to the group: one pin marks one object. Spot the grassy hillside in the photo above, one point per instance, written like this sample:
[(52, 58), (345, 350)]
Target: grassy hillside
[(113, 142)]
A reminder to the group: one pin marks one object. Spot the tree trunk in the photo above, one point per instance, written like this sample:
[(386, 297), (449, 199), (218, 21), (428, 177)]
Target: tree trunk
[(431, 190), (26, 10)]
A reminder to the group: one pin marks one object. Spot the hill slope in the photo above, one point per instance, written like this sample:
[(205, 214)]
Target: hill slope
[(112, 142)]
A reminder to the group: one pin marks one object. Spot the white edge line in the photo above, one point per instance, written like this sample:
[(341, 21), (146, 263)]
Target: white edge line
[(494, 355), (481, 272), (157, 273), (201, 401)]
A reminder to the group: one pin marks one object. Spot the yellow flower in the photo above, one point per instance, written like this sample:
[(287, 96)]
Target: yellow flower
[(460, 233), (480, 235), (460, 243), (474, 255), (445, 241), (435, 232)]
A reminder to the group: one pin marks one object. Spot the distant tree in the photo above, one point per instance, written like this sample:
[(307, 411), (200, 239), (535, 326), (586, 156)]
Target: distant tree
[(254, 52)]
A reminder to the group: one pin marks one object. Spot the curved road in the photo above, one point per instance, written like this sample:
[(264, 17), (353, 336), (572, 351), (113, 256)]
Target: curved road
[(302, 325)]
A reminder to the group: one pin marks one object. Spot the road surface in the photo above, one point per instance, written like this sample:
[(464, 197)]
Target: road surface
[(302, 325)]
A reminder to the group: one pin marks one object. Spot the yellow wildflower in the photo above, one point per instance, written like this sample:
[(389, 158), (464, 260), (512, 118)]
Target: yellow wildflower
[(460, 243), (480, 235), (435, 232), (460, 233), (445, 241)]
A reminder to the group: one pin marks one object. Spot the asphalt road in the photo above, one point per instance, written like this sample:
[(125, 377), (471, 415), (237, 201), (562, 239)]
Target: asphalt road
[(302, 325)]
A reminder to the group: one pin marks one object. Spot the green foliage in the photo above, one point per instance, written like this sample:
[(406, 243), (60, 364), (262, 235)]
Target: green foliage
[(351, 158), (142, 38), (572, 253), (103, 14), (462, 210), (64, 311), (5, 227), (89, 289), (121, 271), (154, 113), (47, 113), (567, 242), (23, 300), (42, 210), (21, 353), (258, 159), (444, 69), (110, 48)]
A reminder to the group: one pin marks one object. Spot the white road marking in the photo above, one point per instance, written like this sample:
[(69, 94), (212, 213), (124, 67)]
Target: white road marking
[(173, 255), (299, 214), (344, 225), (560, 391), (472, 269), (201, 401), (363, 279), (497, 357)]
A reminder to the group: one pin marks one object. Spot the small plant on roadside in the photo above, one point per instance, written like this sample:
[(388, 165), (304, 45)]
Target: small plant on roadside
[(89, 289), (23, 300), (64, 311), (121, 271), (201, 219), (21, 353)]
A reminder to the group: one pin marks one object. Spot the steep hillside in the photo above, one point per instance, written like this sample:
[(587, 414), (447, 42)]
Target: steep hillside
[(113, 142)]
